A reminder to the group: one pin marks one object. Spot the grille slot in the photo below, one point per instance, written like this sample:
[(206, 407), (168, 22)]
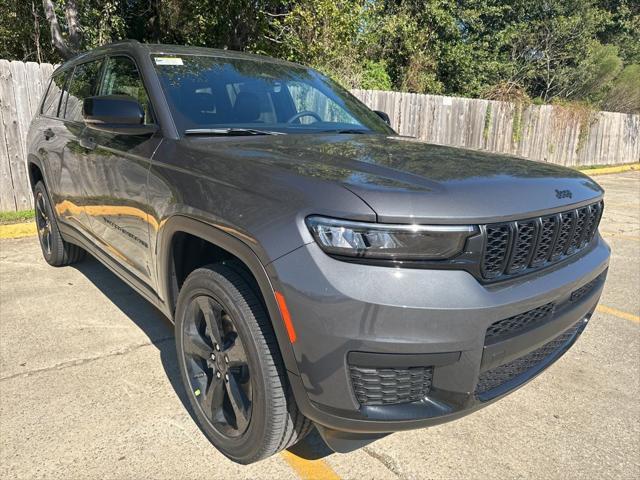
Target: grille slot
[(585, 289), (495, 252), (545, 242), (562, 242), (523, 248), (517, 247), (504, 373), (581, 223), (592, 223), (386, 386), (518, 323)]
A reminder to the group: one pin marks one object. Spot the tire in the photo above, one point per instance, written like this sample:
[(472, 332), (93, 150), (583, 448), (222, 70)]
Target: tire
[(55, 250), (253, 415)]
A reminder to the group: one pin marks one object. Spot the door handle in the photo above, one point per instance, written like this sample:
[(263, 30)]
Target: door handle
[(48, 134), (88, 142)]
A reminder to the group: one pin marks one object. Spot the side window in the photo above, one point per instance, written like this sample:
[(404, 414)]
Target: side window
[(121, 77), (52, 98), (83, 84)]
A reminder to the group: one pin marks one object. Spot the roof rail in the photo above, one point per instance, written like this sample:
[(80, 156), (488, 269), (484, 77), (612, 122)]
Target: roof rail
[(125, 41)]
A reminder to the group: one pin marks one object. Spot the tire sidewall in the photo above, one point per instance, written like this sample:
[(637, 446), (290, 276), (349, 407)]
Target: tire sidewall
[(210, 283)]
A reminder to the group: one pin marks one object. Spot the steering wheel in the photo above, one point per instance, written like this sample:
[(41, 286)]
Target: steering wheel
[(305, 113)]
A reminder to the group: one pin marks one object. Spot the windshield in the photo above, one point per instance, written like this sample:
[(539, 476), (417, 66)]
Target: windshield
[(213, 95)]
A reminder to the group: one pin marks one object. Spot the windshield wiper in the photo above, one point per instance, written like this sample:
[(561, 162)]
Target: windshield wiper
[(347, 130), (229, 131)]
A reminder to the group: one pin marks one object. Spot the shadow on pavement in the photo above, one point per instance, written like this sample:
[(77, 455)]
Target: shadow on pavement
[(151, 321), (159, 330), (312, 447)]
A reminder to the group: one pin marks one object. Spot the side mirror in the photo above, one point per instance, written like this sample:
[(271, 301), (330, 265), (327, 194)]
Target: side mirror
[(383, 116), (120, 114)]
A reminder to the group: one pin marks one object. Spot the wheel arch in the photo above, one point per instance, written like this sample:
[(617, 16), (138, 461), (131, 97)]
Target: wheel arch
[(167, 280), (35, 170)]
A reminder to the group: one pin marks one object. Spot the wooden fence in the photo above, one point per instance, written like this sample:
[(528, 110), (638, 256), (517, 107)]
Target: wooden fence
[(561, 135), (21, 87), (547, 133)]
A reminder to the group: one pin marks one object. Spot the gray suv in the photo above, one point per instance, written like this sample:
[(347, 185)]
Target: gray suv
[(320, 269)]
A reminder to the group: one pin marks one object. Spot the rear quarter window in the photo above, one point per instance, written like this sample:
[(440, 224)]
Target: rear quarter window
[(52, 97)]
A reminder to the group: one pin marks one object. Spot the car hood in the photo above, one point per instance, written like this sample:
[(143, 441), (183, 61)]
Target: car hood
[(403, 179)]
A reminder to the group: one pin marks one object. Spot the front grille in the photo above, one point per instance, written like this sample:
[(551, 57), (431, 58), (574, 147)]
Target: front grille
[(385, 386), (517, 247), (504, 373), (516, 324)]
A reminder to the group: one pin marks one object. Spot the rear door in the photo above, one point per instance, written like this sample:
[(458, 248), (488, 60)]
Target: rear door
[(118, 166), (48, 134), (74, 175)]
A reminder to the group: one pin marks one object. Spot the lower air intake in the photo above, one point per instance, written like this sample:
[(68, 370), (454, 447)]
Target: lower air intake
[(387, 386), (504, 373)]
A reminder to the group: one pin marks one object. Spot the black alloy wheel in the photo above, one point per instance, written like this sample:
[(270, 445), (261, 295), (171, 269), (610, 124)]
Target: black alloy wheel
[(217, 366), (43, 223)]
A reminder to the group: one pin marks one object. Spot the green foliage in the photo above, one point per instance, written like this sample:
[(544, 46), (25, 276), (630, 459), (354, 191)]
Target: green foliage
[(324, 34), (375, 76), (516, 134), (594, 74), (487, 123), (624, 94), (567, 112), (16, 217), (548, 49)]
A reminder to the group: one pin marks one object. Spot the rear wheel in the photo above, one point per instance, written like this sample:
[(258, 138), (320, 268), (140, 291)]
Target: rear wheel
[(55, 250), (231, 367)]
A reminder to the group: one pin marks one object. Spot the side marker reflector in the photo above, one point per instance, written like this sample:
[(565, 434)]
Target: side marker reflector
[(286, 317)]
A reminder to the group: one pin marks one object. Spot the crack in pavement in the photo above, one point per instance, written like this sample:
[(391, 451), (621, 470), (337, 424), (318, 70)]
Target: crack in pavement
[(386, 460), (83, 361)]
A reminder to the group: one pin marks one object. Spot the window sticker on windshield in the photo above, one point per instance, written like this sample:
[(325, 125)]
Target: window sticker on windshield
[(168, 60)]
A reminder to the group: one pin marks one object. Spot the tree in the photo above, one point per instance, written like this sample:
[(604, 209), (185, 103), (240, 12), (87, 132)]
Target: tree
[(57, 39), (548, 50), (325, 34), (624, 95)]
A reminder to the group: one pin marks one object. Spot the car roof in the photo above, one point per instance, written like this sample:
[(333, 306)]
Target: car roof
[(160, 48)]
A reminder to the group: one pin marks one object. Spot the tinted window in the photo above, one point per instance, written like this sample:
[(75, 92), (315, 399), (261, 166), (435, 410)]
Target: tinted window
[(213, 92), (52, 98), (83, 84), (121, 77)]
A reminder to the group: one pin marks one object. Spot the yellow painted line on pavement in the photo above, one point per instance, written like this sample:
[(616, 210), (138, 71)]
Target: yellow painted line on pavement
[(618, 313), (17, 230), (309, 469), (615, 169)]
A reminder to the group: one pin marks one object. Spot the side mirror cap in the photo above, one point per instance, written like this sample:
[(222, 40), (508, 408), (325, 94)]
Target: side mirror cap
[(119, 114), (383, 116)]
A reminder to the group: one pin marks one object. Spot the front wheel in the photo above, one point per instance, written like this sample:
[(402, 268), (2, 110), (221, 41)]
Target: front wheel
[(232, 369)]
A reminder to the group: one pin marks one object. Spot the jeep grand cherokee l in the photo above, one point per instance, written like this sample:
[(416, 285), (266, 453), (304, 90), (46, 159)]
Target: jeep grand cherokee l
[(319, 268)]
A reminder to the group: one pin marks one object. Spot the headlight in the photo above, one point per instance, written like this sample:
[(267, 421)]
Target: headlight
[(393, 242)]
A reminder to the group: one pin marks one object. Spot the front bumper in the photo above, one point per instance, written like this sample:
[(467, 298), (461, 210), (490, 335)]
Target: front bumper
[(346, 313)]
